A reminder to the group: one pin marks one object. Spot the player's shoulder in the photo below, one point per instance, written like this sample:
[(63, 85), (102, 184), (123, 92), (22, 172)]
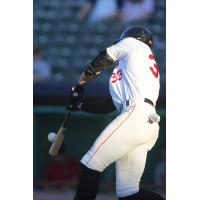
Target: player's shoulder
[(134, 43), (129, 40)]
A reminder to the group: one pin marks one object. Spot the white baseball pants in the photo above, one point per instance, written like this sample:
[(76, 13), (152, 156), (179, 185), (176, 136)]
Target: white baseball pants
[(126, 141)]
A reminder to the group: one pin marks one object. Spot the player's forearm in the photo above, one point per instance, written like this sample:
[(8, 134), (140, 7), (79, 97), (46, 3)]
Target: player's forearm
[(95, 67), (85, 79), (82, 81)]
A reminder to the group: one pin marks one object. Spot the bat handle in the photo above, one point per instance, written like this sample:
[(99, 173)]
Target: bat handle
[(66, 120)]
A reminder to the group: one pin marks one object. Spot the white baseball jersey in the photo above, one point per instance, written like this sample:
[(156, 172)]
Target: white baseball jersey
[(137, 74)]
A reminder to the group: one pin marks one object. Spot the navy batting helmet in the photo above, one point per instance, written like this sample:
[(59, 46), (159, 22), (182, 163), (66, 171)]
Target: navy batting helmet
[(139, 33)]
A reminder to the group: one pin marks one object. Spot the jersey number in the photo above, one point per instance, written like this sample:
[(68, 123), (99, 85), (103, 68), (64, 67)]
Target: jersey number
[(117, 76), (154, 69)]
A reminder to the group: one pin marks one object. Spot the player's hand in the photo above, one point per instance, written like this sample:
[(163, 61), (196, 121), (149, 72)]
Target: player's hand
[(76, 93), (75, 97), (75, 107)]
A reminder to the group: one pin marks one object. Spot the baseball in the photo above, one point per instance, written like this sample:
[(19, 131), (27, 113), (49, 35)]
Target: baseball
[(52, 137)]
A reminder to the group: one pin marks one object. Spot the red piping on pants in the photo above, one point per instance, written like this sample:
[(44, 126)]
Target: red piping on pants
[(109, 136)]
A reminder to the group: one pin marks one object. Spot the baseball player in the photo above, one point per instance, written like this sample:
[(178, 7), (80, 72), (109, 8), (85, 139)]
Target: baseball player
[(134, 88)]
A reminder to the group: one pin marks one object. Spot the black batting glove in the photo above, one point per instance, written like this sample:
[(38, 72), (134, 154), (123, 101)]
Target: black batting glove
[(75, 97), (75, 107)]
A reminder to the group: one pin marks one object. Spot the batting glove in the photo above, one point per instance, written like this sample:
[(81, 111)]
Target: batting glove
[(75, 97)]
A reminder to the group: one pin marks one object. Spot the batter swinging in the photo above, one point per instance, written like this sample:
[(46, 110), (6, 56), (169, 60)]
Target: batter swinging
[(134, 88)]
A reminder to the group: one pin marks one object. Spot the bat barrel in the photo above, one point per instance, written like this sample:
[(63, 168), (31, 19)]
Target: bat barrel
[(55, 147)]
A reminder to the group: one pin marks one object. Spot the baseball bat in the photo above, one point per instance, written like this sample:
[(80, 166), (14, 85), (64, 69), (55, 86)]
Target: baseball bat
[(53, 151)]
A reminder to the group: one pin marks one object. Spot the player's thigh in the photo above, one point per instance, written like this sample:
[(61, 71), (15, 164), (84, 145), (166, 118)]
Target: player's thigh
[(122, 135), (129, 170), (110, 145)]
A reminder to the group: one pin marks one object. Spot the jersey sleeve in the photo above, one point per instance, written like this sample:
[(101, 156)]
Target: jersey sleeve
[(121, 48)]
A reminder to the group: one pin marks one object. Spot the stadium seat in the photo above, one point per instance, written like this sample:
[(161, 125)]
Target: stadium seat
[(68, 42)]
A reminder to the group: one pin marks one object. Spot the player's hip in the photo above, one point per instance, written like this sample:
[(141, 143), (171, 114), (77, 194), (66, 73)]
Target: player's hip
[(139, 104)]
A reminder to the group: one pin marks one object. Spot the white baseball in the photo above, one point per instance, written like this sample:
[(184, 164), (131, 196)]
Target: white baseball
[(52, 137)]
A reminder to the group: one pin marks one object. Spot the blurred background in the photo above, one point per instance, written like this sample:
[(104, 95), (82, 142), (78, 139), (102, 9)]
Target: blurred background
[(67, 35)]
